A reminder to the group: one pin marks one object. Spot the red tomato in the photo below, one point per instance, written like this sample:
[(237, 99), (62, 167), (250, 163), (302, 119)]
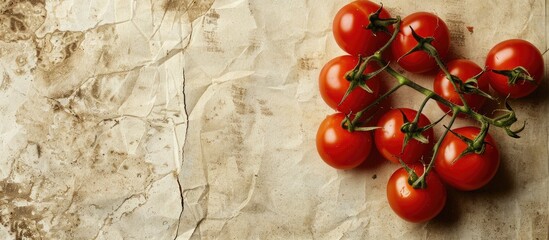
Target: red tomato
[(508, 55), (471, 171), (350, 32), (333, 85), (340, 148), (389, 138), (426, 25), (415, 205), (464, 70)]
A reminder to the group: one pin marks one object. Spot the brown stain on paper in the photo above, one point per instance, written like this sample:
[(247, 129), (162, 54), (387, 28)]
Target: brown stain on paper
[(73, 138), (78, 151), (22, 221), (457, 31), (236, 125), (64, 64), (57, 62), (238, 96), (471, 29), (194, 8), (263, 107), (56, 48), (307, 64), (6, 82), (210, 31), (70, 129), (19, 19)]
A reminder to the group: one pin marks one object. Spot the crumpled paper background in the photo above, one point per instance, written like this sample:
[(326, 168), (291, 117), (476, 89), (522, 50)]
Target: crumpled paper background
[(190, 119)]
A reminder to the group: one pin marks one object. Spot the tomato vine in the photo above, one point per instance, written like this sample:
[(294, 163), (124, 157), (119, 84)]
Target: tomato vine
[(504, 121), (468, 93)]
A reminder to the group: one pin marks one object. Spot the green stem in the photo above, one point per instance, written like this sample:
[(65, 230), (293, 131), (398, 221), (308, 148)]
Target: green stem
[(357, 117), (362, 67), (402, 80), (420, 182), (379, 99), (405, 81), (363, 63), (449, 77), (388, 43), (427, 98)]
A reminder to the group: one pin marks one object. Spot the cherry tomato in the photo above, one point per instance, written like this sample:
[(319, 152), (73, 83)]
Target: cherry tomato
[(415, 205), (471, 171), (508, 55), (340, 148), (333, 85), (464, 70), (389, 138), (426, 25), (349, 28)]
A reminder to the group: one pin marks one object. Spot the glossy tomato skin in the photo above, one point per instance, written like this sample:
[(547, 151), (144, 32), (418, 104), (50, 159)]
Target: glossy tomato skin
[(415, 205), (333, 85), (464, 70), (426, 25), (389, 138), (340, 148), (471, 171), (510, 54), (349, 28)]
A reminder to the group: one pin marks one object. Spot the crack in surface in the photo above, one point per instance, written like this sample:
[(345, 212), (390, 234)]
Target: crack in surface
[(183, 148), (182, 207)]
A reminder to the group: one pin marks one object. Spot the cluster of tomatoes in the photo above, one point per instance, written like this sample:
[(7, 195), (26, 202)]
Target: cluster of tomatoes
[(514, 68)]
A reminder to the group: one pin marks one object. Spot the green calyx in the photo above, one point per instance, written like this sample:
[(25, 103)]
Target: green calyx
[(378, 24), (507, 119), (413, 131), (516, 74), (352, 125), (423, 44), (470, 86), (476, 145), (357, 78), (417, 182)]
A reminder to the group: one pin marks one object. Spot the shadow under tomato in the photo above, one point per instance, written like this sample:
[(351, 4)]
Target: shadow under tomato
[(500, 186), (451, 212), (497, 189), (374, 160), (539, 97), (490, 106)]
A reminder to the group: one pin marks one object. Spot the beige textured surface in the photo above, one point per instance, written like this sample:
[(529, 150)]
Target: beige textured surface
[(113, 111)]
